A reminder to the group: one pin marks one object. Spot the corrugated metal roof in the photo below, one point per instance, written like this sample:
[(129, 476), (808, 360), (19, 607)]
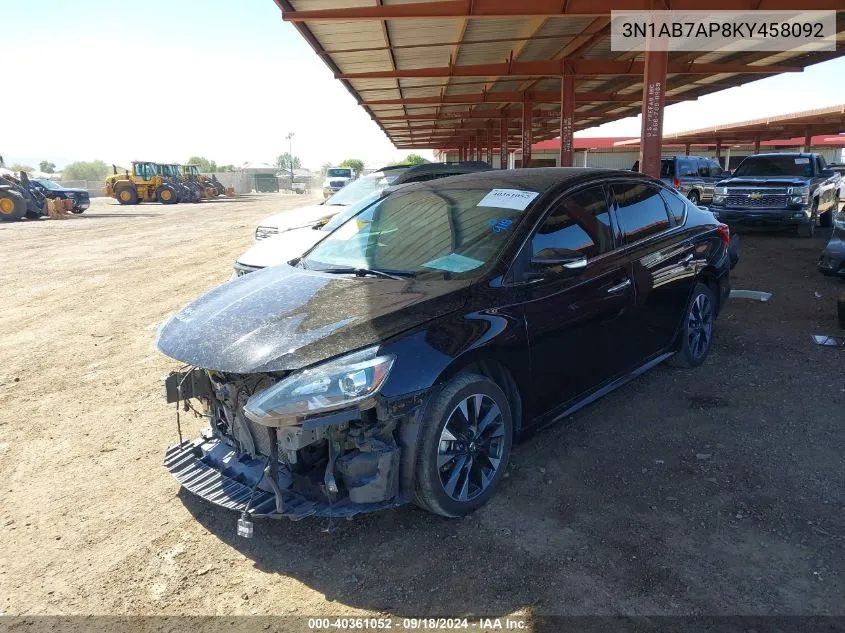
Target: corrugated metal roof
[(351, 45)]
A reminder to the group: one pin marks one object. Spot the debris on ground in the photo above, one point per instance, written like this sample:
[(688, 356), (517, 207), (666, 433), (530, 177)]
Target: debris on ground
[(755, 295)]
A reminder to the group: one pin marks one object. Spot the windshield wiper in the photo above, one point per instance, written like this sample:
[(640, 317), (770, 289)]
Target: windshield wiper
[(362, 272)]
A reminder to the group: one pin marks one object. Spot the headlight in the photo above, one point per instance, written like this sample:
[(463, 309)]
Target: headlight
[(798, 195), (720, 191), (354, 378)]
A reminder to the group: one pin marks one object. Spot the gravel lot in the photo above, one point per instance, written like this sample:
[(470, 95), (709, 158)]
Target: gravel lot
[(709, 491)]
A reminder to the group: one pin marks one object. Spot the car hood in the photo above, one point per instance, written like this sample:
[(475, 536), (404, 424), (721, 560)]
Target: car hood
[(281, 248), (285, 318), (303, 216), (765, 181)]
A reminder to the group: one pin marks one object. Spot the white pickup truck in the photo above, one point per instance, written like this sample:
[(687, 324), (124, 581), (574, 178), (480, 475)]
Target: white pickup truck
[(336, 179)]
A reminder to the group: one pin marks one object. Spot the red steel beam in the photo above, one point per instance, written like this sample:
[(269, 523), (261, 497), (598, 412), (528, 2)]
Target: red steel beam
[(654, 92), (527, 130), (491, 9), (555, 68), (567, 119), (467, 114), (543, 96)]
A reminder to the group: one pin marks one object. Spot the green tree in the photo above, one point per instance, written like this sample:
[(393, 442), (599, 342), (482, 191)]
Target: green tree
[(415, 159), (283, 161), (84, 170), (355, 163), (47, 167), (206, 166), (19, 167), (226, 168)]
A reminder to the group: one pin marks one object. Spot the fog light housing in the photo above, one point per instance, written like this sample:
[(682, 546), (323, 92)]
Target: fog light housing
[(797, 215)]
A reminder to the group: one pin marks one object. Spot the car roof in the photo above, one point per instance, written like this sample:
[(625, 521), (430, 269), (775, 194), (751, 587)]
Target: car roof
[(441, 169), (538, 179)]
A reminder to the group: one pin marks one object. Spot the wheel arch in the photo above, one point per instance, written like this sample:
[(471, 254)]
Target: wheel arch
[(499, 370)]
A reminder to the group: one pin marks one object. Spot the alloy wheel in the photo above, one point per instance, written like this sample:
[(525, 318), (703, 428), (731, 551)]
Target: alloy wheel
[(700, 326), (471, 447)]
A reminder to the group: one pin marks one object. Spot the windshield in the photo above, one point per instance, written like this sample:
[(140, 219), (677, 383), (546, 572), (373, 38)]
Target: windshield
[(48, 184), (339, 173), (423, 231), (350, 211), (361, 188), (775, 166)]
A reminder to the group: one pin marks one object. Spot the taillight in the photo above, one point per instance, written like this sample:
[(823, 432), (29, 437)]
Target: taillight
[(724, 232), (676, 183)]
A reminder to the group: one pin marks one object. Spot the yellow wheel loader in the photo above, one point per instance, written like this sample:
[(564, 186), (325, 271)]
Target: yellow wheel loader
[(192, 174), (142, 184)]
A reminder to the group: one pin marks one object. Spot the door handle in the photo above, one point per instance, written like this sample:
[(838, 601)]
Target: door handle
[(619, 287)]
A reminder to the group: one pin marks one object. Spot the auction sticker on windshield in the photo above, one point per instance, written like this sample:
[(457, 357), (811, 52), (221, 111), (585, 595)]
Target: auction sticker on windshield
[(454, 263), (508, 199)]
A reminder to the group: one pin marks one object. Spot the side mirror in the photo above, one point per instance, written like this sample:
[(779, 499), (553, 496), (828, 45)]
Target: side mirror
[(547, 259), (828, 173)]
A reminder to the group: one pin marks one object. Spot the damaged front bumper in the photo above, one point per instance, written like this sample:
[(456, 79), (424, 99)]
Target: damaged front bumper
[(210, 469)]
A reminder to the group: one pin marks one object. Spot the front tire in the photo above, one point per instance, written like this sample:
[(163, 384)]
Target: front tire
[(809, 229), (126, 195), (698, 328), (694, 197), (465, 444), (826, 219)]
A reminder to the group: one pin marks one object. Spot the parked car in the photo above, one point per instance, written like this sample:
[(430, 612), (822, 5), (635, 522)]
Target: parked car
[(336, 179), (51, 189), (310, 229), (794, 190), (693, 176), (399, 358), (832, 259)]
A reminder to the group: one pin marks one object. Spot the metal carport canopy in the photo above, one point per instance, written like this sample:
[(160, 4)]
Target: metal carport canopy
[(496, 74)]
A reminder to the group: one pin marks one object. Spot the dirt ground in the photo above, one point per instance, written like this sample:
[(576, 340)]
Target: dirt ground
[(717, 490)]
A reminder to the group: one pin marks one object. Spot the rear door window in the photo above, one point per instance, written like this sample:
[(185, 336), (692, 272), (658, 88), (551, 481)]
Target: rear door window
[(640, 210), (687, 168), (676, 204)]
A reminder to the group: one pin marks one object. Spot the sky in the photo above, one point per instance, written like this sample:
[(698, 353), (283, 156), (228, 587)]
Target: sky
[(227, 79)]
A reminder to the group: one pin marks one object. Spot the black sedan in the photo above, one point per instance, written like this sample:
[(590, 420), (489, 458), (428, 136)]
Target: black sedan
[(51, 189), (402, 355)]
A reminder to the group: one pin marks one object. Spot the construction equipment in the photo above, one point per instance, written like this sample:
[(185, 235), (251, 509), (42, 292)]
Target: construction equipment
[(143, 184), (192, 174), (18, 198), (188, 191), (211, 185)]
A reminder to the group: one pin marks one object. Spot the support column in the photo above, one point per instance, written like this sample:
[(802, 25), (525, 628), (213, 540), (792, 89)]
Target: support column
[(527, 124), (503, 144), (808, 140), (490, 143), (718, 149), (728, 157), (757, 145), (654, 98), (461, 153), (686, 149), (567, 117)]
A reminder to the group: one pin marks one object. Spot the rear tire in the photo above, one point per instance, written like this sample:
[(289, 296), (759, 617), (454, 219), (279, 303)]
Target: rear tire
[(167, 195), (12, 206), (464, 446), (698, 328), (126, 195)]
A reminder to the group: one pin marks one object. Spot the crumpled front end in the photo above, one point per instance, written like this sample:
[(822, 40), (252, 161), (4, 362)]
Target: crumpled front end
[(334, 465)]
